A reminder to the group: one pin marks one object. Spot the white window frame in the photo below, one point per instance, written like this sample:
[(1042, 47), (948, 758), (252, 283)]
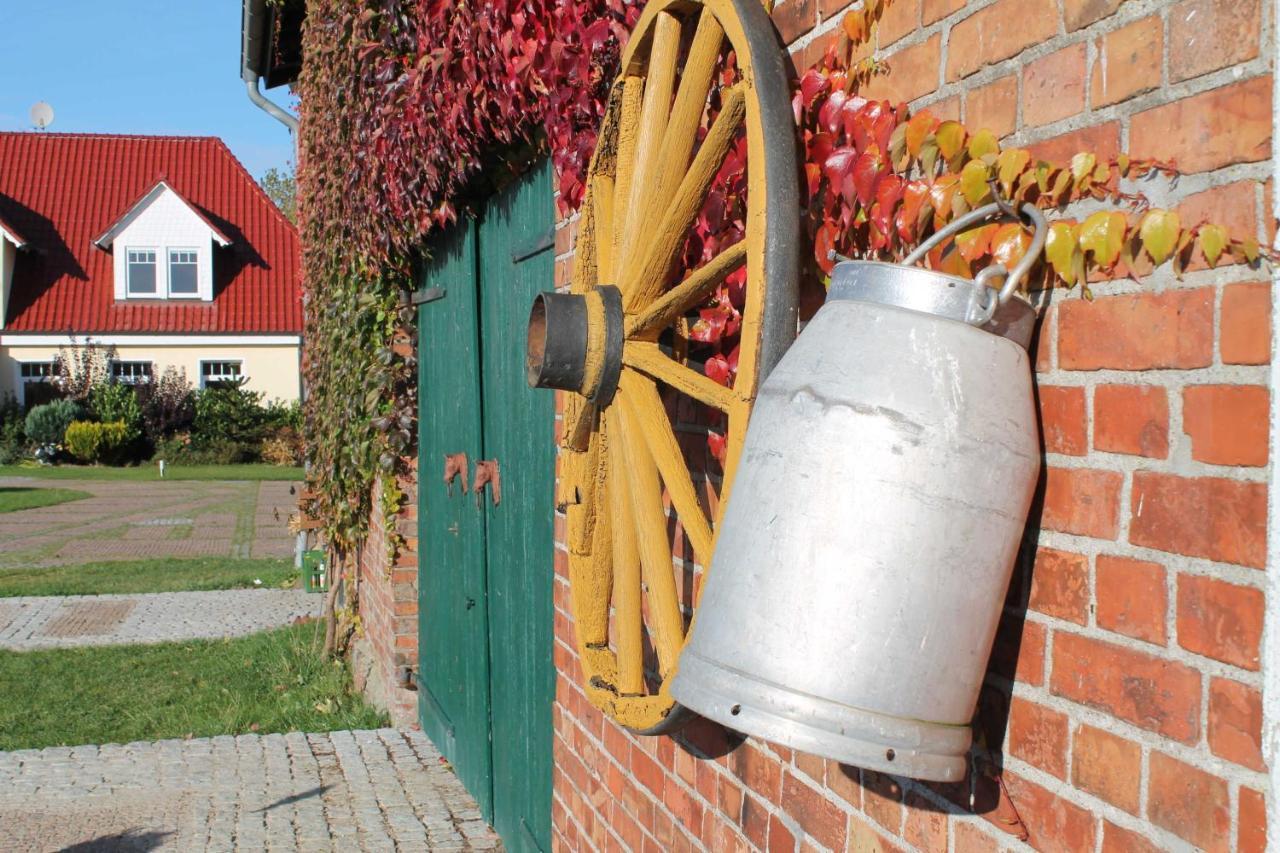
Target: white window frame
[(205, 379), (158, 292), (22, 380), (170, 251), (147, 375)]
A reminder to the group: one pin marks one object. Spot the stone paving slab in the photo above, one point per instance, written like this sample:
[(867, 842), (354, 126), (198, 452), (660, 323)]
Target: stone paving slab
[(341, 791), (39, 622)]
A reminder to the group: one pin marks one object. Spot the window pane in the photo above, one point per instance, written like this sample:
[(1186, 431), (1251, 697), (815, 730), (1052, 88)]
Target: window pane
[(131, 372), (142, 272), (182, 273)]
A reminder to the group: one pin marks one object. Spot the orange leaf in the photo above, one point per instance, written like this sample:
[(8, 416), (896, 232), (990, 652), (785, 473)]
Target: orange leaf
[(1009, 244), (918, 129), (975, 242), (855, 26)]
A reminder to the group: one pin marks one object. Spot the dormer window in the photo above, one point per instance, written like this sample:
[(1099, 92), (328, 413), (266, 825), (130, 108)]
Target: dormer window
[(184, 275), (164, 248), (142, 272)]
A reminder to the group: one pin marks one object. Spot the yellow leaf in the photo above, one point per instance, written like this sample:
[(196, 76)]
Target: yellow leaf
[(1159, 231), (1060, 248), (1122, 163), (950, 136), (1213, 239), (855, 26), (1009, 244), (1082, 164), (1011, 164), (973, 182), (1103, 235), (983, 143), (1249, 247)]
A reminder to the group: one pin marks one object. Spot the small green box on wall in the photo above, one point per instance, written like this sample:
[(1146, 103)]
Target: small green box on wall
[(313, 569)]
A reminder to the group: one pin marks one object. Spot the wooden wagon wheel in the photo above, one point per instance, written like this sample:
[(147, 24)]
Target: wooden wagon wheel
[(660, 148)]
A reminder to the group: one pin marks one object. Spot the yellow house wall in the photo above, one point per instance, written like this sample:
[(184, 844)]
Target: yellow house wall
[(272, 369)]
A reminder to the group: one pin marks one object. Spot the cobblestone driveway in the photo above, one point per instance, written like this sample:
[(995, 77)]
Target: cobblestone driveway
[(141, 520), (342, 791)]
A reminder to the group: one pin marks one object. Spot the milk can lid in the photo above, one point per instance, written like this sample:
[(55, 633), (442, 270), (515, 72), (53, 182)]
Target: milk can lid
[(930, 292)]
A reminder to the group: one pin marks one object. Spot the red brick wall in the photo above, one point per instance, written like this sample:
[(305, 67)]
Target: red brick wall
[(1123, 699), (388, 596)]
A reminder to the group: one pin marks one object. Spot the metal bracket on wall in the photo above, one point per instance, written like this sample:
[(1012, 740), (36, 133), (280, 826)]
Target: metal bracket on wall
[(428, 294), (546, 241)]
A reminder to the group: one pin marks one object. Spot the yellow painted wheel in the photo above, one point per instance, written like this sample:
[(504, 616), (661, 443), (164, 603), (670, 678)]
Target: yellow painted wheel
[(697, 79)]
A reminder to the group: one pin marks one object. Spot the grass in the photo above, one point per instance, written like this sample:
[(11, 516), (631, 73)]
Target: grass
[(275, 681), (136, 576), (13, 499), (148, 471)]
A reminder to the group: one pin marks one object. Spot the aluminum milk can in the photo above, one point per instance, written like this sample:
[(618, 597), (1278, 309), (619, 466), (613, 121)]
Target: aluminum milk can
[(866, 549)]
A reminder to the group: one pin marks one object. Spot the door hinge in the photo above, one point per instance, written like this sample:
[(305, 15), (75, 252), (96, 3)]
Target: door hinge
[(537, 247), (428, 294)]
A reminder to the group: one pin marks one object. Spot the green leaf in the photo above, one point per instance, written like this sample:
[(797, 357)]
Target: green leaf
[(1102, 234), (1159, 231), (1213, 240)]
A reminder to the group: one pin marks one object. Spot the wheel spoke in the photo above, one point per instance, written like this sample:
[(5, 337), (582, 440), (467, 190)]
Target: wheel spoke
[(687, 294), (642, 395), (628, 131), (666, 624), (646, 280), (629, 623), (659, 84), (648, 359)]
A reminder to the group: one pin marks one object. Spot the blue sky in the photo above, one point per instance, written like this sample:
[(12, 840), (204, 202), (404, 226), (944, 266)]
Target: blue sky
[(136, 66)]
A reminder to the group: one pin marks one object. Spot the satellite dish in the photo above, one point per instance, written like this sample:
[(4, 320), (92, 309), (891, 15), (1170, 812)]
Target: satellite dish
[(41, 115)]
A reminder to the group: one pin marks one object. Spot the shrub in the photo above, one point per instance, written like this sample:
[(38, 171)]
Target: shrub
[(81, 368), (167, 404), (283, 448), (47, 425), (112, 402), (180, 449), (93, 442), (13, 438), (229, 413)]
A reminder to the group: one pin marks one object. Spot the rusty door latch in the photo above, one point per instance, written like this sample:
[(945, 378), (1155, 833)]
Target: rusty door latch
[(488, 474), (455, 464)]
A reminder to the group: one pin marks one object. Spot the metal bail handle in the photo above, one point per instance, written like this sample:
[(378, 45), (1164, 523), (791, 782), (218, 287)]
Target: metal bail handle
[(982, 309)]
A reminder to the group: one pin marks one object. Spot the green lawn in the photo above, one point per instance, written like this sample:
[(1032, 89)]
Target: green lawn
[(148, 471), (275, 681), (135, 576), (13, 498)]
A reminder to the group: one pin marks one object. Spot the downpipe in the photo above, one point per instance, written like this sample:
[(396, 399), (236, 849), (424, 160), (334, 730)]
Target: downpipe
[(272, 109)]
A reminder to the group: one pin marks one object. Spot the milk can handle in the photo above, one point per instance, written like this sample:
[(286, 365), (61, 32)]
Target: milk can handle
[(983, 313)]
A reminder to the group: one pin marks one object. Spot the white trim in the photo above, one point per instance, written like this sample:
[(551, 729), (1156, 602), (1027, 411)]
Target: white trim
[(155, 272), (168, 272), (238, 362), (11, 238), (108, 237), (248, 340)]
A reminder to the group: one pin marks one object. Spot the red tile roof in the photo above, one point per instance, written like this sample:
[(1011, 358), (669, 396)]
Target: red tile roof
[(62, 190)]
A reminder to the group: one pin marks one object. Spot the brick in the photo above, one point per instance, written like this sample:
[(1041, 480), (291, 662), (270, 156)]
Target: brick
[(1060, 585), (913, 73), (758, 771), (794, 18), (1053, 824), (1107, 766), (1210, 517), (936, 10), (1082, 501), (780, 838), (900, 18), (926, 826), (1155, 694), (1102, 140), (1220, 620), (1062, 419), (844, 780), (993, 106), (1252, 822), (1082, 13), (1245, 333), (1038, 736), (971, 839), (1131, 419), (817, 816), (1018, 652), (1235, 723), (1205, 35), (1127, 63), (828, 8), (1144, 331), (1132, 598), (1117, 839), (1217, 128), (1230, 205), (999, 31), (1053, 86), (882, 800), (1228, 424), (1188, 802)]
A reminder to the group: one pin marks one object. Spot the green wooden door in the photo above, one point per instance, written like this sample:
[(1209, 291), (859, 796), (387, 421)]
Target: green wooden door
[(483, 563)]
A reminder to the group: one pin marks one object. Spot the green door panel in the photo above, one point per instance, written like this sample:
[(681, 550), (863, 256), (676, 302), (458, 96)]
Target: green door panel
[(453, 649), (517, 262)]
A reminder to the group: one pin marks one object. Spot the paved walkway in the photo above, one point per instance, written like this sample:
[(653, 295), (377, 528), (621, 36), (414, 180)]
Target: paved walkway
[(342, 791), (126, 520), (99, 620)]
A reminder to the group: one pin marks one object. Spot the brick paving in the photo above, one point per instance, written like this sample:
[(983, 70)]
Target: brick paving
[(149, 520), (341, 791), (39, 622)]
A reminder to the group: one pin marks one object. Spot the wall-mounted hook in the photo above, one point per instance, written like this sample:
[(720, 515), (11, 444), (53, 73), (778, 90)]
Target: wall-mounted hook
[(455, 464), (488, 473)]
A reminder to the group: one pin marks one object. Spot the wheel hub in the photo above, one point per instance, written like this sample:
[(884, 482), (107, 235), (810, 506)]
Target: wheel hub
[(575, 342)]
